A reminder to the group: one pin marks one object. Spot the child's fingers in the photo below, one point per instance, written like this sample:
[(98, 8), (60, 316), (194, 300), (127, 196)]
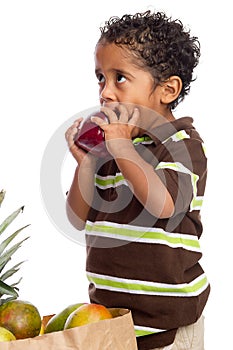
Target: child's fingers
[(98, 121), (72, 130), (112, 116), (69, 133), (134, 120), (78, 121), (124, 114)]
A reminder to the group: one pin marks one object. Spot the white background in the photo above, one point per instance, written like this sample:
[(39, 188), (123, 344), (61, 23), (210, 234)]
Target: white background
[(46, 77)]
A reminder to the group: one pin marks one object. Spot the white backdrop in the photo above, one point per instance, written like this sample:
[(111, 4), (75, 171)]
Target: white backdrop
[(46, 77)]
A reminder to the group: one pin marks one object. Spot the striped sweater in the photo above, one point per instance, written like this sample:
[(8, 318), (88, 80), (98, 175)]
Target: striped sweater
[(143, 263)]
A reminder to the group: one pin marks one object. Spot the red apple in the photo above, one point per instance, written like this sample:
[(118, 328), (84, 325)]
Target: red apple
[(91, 137), (86, 314)]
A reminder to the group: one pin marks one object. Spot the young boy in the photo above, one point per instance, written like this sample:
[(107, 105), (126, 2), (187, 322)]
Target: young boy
[(140, 206)]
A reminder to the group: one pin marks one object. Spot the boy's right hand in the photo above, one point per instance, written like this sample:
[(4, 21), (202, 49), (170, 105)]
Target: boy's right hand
[(78, 153)]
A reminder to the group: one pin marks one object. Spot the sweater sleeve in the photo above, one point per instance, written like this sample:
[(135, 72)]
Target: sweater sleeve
[(182, 167)]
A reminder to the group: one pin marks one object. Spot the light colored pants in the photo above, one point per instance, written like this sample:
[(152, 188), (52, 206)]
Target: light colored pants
[(188, 338)]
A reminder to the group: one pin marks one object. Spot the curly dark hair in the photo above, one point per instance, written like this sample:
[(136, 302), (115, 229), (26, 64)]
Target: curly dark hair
[(159, 44)]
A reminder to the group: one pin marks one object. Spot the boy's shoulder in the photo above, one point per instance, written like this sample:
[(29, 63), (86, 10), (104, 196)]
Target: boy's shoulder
[(175, 130)]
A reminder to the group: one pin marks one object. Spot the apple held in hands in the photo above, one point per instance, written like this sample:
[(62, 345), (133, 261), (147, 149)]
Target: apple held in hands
[(91, 137), (86, 314)]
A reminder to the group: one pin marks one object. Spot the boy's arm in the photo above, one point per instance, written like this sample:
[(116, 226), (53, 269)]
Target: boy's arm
[(80, 195), (143, 181), (140, 175)]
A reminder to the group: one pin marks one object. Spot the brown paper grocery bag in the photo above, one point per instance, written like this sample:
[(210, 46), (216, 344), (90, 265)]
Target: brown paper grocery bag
[(111, 334)]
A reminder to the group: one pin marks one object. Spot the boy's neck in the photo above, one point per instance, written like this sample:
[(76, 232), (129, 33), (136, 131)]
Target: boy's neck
[(153, 119)]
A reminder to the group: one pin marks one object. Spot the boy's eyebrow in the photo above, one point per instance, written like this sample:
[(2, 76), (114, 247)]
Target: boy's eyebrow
[(119, 71)]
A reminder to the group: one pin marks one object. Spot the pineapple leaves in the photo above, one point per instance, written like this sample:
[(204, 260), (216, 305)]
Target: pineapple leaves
[(8, 290), (2, 195), (11, 272), (5, 243), (11, 291), (9, 219), (6, 257)]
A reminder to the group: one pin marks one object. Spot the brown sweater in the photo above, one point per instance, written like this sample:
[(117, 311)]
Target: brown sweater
[(137, 261)]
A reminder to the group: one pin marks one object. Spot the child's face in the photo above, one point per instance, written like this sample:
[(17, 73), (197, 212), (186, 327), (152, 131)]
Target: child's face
[(122, 81)]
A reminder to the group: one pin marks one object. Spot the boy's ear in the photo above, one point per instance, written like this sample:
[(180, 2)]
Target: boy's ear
[(171, 89)]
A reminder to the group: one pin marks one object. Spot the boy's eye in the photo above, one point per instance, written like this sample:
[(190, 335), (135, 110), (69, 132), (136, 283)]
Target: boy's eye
[(100, 78), (121, 78)]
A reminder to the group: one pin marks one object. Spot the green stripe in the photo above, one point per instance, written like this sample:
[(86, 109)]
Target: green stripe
[(109, 181), (167, 165), (204, 148), (196, 203), (181, 135), (150, 235), (178, 136), (134, 287), (141, 139), (194, 179), (142, 333)]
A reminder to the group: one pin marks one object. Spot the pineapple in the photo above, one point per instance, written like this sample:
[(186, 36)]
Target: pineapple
[(6, 289)]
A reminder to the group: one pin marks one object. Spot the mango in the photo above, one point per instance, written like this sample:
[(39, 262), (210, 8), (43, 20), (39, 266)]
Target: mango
[(21, 318), (6, 335), (86, 314), (57, 322)]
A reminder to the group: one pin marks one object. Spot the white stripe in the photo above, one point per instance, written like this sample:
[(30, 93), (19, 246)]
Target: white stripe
[(108, 177), (141, 229), (197, 206), (141, 292), (177, 166), (148, 284), (178, 136), (115, 183), (181, 236), (204, 148), (112, 185), (141, 239), (144, 240), (149, 329), (148, 142)]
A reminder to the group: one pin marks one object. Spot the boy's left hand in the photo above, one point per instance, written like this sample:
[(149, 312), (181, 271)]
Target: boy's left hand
[(118, 128)]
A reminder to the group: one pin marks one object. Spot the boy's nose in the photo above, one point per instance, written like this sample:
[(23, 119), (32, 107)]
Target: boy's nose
[(107, 94)]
